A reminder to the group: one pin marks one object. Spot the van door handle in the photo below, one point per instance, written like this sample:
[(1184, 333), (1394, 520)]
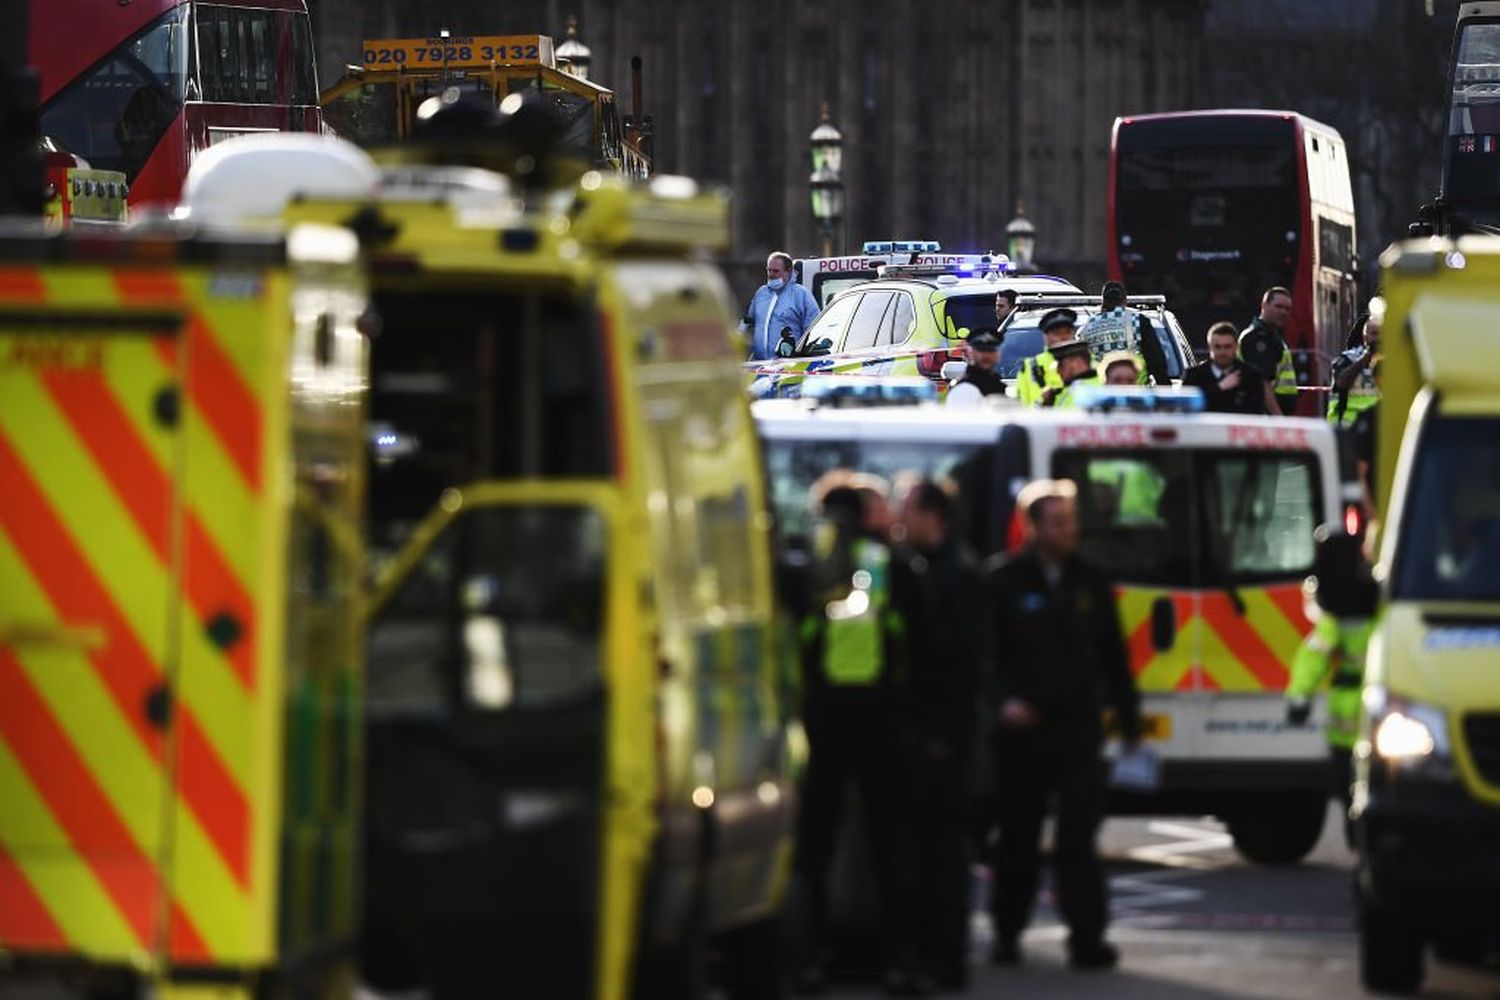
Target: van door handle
[(57, 635)]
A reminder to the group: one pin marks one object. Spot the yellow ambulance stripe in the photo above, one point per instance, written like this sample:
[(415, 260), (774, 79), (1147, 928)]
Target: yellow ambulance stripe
[(125, 564), (125, 771), (80, 287), (1223, 666), (246, 352), (67, 888)]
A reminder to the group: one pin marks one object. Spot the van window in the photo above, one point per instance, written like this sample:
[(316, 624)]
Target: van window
[(1136, 512), (505, 610), (1262, 512), (793, 466), (1450, 542), (464, 387)]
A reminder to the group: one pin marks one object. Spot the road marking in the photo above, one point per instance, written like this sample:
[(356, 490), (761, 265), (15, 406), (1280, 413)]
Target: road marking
[(1192, 840)]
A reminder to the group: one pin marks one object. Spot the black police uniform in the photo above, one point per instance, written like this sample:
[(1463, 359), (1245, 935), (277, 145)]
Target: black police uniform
[(942, 592), (1059, 647), (853, 733), (987, 380)]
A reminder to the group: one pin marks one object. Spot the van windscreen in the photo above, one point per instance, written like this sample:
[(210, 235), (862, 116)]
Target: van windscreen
[(468, 386), (1450, 534)]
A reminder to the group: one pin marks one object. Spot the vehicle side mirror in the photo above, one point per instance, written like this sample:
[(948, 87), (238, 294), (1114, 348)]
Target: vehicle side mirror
[(821, 346), (953, 370), (1163, 624)]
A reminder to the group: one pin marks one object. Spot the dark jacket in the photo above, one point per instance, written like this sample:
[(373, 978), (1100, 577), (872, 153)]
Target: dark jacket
[(1247, 397), (1061, 649), (942, 596), (987, 381)]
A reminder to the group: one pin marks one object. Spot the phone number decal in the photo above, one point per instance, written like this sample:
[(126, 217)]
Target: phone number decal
[(457, 52)]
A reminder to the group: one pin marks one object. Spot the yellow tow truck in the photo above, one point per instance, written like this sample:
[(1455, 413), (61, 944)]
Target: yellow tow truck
[(1426, 804), (375, 103), (579, 759)]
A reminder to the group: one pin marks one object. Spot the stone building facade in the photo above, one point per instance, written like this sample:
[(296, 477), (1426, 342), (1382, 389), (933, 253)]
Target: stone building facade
[(952, 112)]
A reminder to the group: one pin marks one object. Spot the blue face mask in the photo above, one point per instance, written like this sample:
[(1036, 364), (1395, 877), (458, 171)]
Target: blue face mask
[(776, 284)]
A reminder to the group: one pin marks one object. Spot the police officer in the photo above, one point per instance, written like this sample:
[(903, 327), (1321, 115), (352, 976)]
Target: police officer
[(1075, 368), (1263, 347), (980, 378), (1117, 327), (940, 705), (852, 644), (1059, 658), (1039, 373), (1334, 651), (1005, 304), (1353, 384)]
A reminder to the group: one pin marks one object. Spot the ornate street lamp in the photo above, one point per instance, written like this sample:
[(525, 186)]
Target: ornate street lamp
[(574, 57), (826, 183), (1020, 241)]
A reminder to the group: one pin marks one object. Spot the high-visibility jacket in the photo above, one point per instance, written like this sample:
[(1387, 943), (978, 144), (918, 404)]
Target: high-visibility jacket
[(855, 626), (1334, 651), (1037, 374), (1284, 384), (1122, 329), (1363, 394), (1138, 488), (1065, 399)]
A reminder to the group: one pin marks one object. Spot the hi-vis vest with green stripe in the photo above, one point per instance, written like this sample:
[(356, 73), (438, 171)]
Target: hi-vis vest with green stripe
[(854, 626)]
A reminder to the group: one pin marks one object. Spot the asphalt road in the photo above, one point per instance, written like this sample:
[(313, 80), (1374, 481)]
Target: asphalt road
[(1194, 922)]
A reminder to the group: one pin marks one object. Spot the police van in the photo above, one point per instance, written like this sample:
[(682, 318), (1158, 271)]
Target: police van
[(1204, 522)]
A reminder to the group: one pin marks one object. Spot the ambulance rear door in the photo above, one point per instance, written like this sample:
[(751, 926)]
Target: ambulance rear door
[(90, 571)]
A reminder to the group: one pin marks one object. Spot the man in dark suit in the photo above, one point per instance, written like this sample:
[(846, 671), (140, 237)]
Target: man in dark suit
[(1227, 383)]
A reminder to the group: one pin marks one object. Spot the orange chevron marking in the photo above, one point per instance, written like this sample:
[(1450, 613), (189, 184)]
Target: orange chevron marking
[(24, 920), (22, 286), (1244, 642), (218, 392), (107, 430), (125, 668), (80, 806)]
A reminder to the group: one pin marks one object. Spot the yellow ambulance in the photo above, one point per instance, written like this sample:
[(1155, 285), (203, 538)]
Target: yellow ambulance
[(1427, 768), (181, 442), (578, 751)]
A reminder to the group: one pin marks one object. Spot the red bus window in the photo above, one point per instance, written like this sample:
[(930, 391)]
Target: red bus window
[(114, 114)]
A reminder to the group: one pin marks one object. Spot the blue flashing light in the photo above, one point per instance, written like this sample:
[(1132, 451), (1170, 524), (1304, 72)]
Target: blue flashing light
[(855, 390), (386, 440), (1143, 399)]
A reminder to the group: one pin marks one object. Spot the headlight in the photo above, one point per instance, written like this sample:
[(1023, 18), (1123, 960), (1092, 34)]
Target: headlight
[(1399, 736), (1407, 734)]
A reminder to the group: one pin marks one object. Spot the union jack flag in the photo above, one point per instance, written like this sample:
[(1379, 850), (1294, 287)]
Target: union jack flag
[(1466, 144)]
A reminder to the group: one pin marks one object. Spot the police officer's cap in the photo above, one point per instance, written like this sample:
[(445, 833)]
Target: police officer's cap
[(1071, 349), (984, 339), (1058, 317)]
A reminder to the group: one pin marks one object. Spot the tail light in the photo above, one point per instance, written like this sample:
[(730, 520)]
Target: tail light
[(1354, 519), (930, 363)]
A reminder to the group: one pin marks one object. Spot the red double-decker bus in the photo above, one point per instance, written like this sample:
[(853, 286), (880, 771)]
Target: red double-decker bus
[(143, 86), (1210, 208)]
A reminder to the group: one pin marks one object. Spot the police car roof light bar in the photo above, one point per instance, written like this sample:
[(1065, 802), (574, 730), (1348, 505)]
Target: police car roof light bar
[(902, 246), (836, 391), (1037, 301), (1144, 399), (1001, 266)]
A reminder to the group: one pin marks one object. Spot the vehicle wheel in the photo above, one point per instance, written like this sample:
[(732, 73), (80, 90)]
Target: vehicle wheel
[(1390, 951), (1280, 830), (754, 960)]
